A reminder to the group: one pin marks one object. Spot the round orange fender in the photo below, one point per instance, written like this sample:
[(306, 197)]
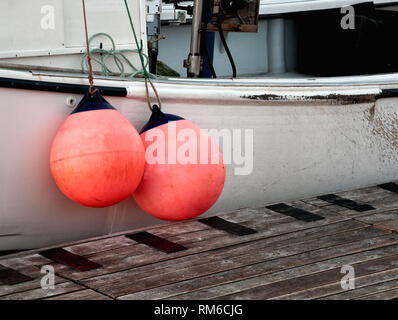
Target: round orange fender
[(97, 156), (174, 187)]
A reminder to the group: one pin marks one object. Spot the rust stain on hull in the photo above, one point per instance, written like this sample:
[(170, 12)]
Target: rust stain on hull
[(335, 99)]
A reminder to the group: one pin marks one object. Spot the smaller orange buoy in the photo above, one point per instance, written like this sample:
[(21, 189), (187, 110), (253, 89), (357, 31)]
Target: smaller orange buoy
[(97, 157), (175, 187)]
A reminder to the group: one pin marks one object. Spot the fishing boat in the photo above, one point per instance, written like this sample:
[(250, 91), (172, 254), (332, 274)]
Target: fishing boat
[(307, 126)]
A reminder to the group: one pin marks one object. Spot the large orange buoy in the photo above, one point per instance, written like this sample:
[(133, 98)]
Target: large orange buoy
[(97, 157), (184, 172)]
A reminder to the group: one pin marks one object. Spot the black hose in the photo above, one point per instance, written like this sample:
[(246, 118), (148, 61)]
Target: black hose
[(231, 60)]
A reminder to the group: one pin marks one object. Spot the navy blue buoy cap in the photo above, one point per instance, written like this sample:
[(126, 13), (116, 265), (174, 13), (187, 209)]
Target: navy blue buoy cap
[(159, 118), (92, 102)]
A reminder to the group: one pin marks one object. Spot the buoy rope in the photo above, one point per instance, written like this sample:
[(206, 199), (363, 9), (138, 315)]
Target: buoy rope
[(144, 71), (90, 67)]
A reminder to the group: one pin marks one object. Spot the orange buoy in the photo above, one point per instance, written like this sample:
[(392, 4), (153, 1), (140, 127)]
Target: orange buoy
[(184, 172), (97, 156)]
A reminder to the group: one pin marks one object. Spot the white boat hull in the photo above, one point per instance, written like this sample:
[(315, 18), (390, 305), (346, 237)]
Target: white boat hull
[(308, 140)]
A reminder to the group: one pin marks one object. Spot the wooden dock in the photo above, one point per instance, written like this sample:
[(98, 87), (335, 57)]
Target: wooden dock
[(292, 250)]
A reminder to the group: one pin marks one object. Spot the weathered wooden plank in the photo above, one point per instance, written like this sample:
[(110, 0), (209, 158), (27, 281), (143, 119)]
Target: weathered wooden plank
[(122, 243), (369, 194), (132, 256), (231, 281), (90, 247), (279, 288), (327, 234), (113, 285), (26, 286), (25, 265), (40, 293), (237, 216), (388, 202), (348, 224), (379, 217), (163, 267), (334, 291), (288, 257), (363, 285), (206, 233), (190, 240), (246, 214), (390, 225), (177, 231), (96, 245), (85, 294), (384, 295), (172, 230), (316, 202)]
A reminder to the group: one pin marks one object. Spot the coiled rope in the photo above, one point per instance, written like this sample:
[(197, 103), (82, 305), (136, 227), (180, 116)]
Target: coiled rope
[(118, 56)]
